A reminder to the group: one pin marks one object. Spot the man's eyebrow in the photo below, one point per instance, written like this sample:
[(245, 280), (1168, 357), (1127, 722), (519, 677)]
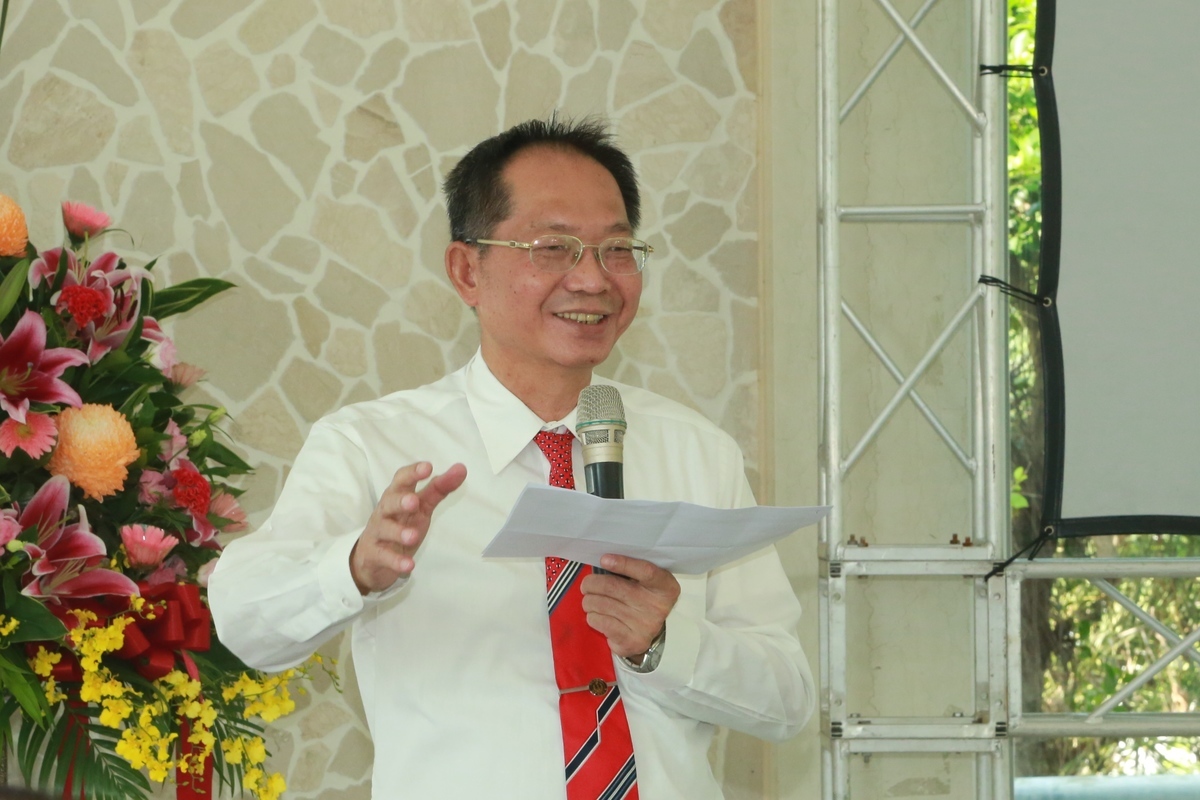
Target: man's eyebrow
[(560, 227)]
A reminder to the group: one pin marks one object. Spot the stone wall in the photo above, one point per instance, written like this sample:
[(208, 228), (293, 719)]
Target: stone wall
[(296, 148)]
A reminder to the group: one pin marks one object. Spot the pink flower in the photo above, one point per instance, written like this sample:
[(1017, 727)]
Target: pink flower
[(152, 487), (171, 571), (226, 507), (99, 300), (67, 557), (185, 375), (174, 447), (30, 373), (9, 527), (146, 545), (83, 221), (35, 435)]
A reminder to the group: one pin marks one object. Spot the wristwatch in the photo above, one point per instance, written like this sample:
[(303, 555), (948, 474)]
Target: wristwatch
[(652, 656)]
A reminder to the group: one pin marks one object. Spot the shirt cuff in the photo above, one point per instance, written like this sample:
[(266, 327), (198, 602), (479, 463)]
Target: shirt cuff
[(679, 654), (337, 581)]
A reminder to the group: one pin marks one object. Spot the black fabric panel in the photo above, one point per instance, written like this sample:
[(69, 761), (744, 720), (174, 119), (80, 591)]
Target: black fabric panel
[(1096, 526), (1047, 106), (1054, 407)]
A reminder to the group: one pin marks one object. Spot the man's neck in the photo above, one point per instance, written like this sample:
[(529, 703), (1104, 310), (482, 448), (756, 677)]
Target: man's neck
[(551, 393)]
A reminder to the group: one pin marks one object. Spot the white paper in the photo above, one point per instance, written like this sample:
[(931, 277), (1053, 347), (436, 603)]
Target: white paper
[(681, 537)]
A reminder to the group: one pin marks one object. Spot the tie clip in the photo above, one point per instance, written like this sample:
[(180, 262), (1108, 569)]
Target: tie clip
[(596, 686)]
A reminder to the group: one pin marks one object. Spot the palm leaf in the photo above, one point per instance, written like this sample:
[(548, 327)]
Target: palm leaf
[(75, 748)]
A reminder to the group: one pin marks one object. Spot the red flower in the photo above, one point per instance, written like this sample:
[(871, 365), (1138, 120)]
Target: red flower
[(83, 303), (191, 490), (29, 372)]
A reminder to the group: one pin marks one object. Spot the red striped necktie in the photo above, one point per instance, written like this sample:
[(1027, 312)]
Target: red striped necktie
[(596, 744)]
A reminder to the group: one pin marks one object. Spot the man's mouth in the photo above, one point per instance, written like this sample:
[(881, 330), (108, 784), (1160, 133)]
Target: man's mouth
[(584, 319)]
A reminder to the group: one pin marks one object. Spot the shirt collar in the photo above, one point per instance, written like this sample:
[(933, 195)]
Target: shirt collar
[(505, 424)]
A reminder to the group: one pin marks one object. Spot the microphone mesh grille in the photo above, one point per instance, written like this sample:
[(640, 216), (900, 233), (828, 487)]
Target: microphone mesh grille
[(600, 402)]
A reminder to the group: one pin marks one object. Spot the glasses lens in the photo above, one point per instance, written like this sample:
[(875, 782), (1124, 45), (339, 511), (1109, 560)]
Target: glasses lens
[(555, 253), (623, 256)]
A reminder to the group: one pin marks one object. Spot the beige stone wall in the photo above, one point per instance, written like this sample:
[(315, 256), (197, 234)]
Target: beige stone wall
[(296, 147)]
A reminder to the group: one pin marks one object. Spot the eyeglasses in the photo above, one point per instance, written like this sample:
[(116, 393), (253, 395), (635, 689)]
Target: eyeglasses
[(620, 255)]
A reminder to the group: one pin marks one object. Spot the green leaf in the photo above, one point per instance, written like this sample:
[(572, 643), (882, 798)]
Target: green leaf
[(18, 680), (185, 296), (13, 286), (36, 623), (223, 455)]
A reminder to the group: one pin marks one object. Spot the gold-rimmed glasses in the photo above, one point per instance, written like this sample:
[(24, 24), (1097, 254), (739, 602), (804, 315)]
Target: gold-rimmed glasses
[(619, 255)]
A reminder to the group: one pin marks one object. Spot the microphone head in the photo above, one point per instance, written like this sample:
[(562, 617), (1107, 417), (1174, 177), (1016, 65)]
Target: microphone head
[(600, 403), (601, 416)]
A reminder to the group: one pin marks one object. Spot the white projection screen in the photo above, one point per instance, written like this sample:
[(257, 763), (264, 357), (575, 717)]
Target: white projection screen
[(1126, 78)]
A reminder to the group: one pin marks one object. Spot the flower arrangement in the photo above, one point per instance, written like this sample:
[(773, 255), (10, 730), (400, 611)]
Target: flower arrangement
[(112, 492)]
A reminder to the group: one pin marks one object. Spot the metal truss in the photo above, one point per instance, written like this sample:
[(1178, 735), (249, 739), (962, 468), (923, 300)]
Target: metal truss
[(982, 316), (1102, 720)]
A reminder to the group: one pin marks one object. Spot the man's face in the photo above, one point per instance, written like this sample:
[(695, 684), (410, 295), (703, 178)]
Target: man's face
[(538, 325)]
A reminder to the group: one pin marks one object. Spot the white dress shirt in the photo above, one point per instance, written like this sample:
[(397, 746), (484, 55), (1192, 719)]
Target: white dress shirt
[(454, 663)]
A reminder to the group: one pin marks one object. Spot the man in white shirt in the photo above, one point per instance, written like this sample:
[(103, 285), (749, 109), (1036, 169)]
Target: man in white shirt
[(453, 653)]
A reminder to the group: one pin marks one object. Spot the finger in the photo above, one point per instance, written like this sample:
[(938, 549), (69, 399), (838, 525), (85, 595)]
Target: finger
[(441, 486), (398, 504), (406, 478), (632, 568)]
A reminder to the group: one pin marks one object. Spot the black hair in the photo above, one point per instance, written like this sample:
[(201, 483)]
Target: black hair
[(477, 198)]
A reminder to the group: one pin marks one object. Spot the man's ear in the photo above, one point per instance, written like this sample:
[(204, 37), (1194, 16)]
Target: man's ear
[(462, 268)]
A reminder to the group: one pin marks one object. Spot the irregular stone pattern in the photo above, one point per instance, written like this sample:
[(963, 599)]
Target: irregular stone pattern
[(297, 147)]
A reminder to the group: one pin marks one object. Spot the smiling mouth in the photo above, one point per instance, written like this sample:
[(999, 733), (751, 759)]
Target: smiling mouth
[(583, 319)]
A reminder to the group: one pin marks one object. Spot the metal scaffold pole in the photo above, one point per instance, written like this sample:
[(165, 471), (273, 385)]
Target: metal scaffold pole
[(981, 317)]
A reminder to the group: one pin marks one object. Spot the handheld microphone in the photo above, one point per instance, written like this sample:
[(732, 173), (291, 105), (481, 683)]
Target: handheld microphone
[(600, 428)]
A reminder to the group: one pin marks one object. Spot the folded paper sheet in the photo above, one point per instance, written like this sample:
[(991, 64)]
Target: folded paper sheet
[(681, 537)]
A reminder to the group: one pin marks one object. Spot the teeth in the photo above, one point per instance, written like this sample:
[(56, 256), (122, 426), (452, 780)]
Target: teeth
[(586, 319)]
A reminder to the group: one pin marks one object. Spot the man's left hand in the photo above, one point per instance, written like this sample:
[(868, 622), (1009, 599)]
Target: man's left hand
[(630, 606)]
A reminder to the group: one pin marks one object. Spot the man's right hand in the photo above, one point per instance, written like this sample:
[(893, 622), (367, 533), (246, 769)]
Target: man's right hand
[(398, 525)]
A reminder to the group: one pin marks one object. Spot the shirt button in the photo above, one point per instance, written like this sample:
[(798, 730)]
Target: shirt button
[(598, 687)]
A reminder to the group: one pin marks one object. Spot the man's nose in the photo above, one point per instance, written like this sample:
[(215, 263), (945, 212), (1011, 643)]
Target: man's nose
[(589, 270)]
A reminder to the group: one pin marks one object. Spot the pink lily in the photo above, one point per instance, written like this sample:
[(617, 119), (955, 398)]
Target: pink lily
[(99, 300), (162, 350), (66, 557), (174, 447), (30, 373)]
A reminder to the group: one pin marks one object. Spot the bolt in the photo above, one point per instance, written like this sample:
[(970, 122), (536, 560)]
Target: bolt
[(967, 542), (954, 538), (852, 541)]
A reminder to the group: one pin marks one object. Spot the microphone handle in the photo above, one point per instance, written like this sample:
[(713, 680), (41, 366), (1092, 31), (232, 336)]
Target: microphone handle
[(605, 479)]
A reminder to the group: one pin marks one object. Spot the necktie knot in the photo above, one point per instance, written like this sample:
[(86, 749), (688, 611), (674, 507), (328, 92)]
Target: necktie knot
[(557, 449)]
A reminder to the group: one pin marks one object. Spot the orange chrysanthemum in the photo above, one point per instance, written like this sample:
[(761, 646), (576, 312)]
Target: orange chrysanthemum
[(95, 445), (14, 234)]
